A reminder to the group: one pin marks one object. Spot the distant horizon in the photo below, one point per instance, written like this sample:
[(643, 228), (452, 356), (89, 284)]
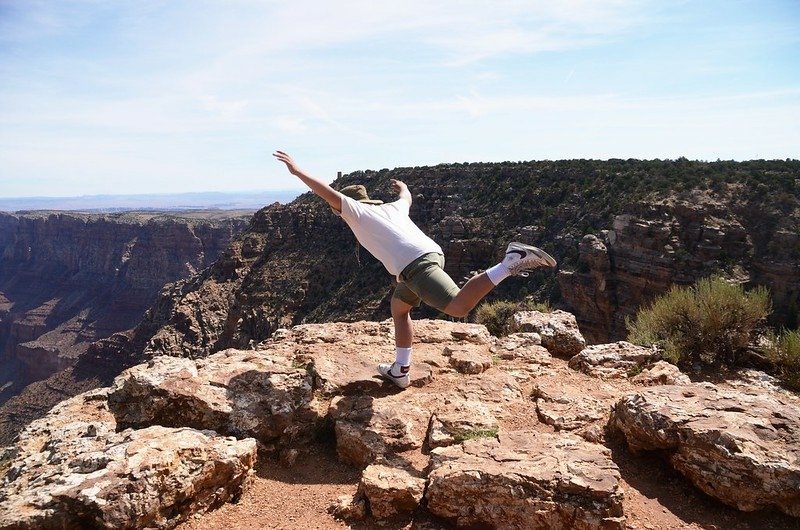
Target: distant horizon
[(299, 191), (108, 203)]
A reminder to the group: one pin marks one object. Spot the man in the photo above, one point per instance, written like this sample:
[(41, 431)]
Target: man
[(417, 262)]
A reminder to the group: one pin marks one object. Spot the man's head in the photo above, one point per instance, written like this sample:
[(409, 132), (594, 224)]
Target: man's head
[(359, 193)]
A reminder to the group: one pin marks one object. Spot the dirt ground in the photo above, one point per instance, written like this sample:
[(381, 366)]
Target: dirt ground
[(656, 498)]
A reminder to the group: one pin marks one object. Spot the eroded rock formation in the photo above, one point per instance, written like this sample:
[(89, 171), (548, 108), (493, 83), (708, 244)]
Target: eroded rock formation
[(676, 242), (519, 445), (68, 279)]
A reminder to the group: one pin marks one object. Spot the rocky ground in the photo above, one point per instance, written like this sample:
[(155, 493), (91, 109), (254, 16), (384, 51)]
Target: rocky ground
[(530, 431)]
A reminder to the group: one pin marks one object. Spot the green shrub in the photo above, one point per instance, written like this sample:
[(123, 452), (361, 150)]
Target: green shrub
[(475, 434), (531, 305), (711, 322), (784, 352), (496, 316)]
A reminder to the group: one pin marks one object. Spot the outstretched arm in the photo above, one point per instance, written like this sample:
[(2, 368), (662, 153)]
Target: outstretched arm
[(402, 190), (331, 196)]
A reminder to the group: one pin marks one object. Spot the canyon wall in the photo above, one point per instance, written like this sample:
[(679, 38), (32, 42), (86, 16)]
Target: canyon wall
[(69, 279), (677, 242)]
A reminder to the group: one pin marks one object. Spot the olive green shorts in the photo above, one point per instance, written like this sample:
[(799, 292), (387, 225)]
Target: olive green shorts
[(424, 280)]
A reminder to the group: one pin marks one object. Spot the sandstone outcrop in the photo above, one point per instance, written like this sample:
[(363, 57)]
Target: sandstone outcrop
[(391, 490), (526, 480), (69, 279), (558, 331), (609, 361), (71, 469), (738, 446), (235, 392), (516, 446), (654, 246)]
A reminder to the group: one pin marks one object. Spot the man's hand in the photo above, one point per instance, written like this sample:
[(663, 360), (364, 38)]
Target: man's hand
[(331, 196), (401, 189), (289, 161), (398, 186)]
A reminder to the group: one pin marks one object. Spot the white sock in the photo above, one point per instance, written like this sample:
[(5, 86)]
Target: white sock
[(402, 356), (498, 273)]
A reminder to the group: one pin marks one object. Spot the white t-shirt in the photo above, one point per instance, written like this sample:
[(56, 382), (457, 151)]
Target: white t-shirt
[(387, 232)]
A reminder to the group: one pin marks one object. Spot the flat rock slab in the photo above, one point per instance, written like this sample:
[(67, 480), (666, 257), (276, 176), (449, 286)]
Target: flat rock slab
[(492, 386), (612, 361), (558, 331), (525, 346), (457, 420), (236, 392), (437, 331), (362, 333), (526, 480), (72, 470), (567, 407), (345, 372), (742, 447), (469, 359)]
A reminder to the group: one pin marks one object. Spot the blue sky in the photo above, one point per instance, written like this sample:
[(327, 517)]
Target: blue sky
[(111, 96)]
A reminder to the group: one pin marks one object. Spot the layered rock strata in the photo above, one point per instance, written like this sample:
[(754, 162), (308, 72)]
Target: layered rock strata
[(519, 445), (526, 480), (68, 279), (742, 447), (72, 469), (677, 242)]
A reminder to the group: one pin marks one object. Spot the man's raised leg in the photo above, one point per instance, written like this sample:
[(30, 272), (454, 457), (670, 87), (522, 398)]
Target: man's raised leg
[(519, 259)]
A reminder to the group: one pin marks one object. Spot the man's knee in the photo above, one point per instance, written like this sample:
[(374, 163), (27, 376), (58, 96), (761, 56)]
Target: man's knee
[(399, 308)]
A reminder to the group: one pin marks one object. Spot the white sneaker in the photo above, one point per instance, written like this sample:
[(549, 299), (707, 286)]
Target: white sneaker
[(521, 259), (388, 372)]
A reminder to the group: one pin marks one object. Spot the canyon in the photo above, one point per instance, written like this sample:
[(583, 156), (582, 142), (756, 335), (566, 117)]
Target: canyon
[(69, 279), (623, 231)]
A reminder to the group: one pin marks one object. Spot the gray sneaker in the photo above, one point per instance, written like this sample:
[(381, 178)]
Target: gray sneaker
[(395, 373), (521, 259)]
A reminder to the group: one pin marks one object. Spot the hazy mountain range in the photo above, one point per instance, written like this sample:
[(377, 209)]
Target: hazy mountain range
[(176, 201)]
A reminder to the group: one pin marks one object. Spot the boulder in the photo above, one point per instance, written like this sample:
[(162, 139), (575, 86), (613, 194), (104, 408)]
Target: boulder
[(742, 447), (567, 408), (525, 346), (235, 392), (368, 428), (526, 480), (558, 331), (661, 373), (469, 360), (612, 361), (70, 469), (457, 420), (390, 490)]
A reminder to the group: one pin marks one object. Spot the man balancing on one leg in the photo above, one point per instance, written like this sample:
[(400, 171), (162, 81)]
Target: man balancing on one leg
[(417, 262)]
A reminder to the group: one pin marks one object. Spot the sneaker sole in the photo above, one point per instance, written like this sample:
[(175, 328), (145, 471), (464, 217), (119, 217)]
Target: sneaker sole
[(550, 262)]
